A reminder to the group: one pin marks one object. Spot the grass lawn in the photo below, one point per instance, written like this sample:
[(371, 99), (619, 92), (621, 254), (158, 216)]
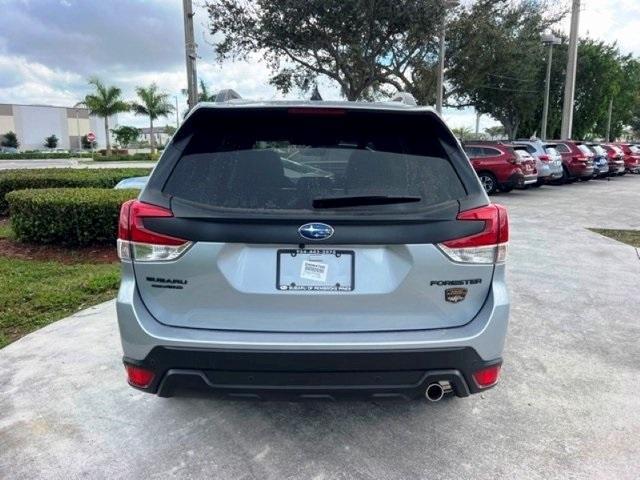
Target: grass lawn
[(630, 237), (35, 293)]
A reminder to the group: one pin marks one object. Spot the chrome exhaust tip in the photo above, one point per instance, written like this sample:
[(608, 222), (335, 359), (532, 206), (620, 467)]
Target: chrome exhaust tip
[(434, 392)]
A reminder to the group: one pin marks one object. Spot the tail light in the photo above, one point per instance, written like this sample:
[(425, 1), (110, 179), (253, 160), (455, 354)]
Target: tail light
[(487, 377), (136, 242), (545, 158), (487, 247), (139, 377)]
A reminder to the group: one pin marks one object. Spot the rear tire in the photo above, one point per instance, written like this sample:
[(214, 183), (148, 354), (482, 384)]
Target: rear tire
[(566, 178), (489, 182)]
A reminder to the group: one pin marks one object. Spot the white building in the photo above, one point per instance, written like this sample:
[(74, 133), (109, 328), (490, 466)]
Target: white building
[(33, 123), (159, 132)]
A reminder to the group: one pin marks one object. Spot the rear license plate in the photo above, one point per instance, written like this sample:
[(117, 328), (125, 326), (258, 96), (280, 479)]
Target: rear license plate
[(315, 270)]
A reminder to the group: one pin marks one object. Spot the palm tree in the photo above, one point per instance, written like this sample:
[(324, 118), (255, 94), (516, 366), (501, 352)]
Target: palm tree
[(105, 102), (463, 133), (153, 104), (204, 94)]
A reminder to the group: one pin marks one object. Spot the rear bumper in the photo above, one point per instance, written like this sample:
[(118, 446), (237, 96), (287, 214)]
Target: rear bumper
[(371, 363), (269, 374)]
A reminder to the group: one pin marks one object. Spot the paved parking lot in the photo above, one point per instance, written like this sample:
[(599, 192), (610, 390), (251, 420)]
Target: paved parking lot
[(568, 405)]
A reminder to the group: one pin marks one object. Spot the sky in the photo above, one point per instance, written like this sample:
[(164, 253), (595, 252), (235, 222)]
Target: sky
[(48, 49)]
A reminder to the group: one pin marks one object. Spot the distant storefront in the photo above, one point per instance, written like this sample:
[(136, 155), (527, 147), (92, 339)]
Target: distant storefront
[(33, 123)]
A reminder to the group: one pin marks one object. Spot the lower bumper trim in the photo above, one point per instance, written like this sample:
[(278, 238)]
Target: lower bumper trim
[(262, 374)]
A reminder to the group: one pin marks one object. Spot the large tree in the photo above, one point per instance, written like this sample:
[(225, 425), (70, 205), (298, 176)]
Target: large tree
[(602, 74), (363, 45), (495, 54), (153, 104), (105, 102)]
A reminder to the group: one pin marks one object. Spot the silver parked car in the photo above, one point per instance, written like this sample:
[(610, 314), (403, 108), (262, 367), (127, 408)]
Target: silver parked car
[(379, 274), (548, 160)]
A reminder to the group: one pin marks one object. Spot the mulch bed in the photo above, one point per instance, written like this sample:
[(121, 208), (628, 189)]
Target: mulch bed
[(55, 253)]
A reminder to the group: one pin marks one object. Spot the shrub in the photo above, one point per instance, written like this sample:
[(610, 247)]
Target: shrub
[(67, 216), (137, 157), (11, 180)]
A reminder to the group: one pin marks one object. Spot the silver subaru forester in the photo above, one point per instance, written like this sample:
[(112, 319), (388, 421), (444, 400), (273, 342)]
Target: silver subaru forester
[(313, 249)]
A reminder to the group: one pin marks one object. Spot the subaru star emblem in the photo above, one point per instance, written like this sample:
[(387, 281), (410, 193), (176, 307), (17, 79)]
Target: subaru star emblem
[(315, 231)]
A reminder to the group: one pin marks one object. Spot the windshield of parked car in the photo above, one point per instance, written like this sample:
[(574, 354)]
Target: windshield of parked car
[(552, 151), (586, 150)]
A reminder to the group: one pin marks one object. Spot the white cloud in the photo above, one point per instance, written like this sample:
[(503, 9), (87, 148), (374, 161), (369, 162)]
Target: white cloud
[(48, 49)]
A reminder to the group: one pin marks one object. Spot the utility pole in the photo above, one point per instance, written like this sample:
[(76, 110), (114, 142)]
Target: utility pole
[(440, 92), (446, 4), (609, 120), (570, 83), (177, 112), (191, 55), (550, 40), (478, 115)]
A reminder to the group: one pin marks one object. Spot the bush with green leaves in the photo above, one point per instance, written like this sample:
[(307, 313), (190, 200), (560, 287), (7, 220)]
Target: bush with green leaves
[(67, 216), (9, 139), (136, 157), (11, 180)]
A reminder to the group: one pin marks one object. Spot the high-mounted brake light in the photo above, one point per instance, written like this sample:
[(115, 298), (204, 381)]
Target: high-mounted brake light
[(137, 242), (332, 112), (486, 247)]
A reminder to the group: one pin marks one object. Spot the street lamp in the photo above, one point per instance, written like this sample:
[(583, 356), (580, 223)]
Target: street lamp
[(548, 39), (446, 4)]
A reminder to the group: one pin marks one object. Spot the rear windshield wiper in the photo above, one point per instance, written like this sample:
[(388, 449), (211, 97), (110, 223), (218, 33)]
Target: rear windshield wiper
[(358, 201)]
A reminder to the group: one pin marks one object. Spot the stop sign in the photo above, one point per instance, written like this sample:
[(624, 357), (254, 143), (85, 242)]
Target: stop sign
[(91, 137)]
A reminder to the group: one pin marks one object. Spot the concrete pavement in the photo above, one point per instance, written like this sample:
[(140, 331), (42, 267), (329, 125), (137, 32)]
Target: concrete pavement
[(68, 163), (567, 407)]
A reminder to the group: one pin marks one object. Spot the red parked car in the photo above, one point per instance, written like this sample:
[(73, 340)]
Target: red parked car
[(615, 155), (499, 167), (577, 160), (631, 156)]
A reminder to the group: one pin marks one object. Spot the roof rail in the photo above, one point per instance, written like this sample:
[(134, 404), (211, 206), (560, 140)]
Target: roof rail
[(405, 98)]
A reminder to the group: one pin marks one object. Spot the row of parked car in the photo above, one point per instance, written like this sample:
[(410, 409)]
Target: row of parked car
[(503, 165)]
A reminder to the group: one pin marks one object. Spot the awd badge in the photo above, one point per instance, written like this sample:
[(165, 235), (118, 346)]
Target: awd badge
[(455, 295)]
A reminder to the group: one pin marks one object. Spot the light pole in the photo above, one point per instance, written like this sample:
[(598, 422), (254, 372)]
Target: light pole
[(446, 5), (609, 119), (191, 55), (548, 39), (570, 83), (76, 107)]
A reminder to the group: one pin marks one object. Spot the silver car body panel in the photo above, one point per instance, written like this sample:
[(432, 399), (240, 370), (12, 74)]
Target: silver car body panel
[(141, 332), (548, 170)]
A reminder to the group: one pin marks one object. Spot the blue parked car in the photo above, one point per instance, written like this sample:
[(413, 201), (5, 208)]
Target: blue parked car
[(600, 159)]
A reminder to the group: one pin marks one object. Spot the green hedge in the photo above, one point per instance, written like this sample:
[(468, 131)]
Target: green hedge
[(138, 157), (11, 180), (67, 216)]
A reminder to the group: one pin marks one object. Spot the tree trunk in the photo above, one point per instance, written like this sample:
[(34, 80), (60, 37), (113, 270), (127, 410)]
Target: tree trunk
[(152, 137), (106, 133)]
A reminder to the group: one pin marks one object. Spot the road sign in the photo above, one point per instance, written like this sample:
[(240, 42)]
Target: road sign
[(91, 137)]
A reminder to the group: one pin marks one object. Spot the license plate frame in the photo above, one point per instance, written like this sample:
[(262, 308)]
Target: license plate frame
[(285, 273)]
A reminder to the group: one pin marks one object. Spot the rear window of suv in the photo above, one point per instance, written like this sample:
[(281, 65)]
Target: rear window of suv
[(294, 162)]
